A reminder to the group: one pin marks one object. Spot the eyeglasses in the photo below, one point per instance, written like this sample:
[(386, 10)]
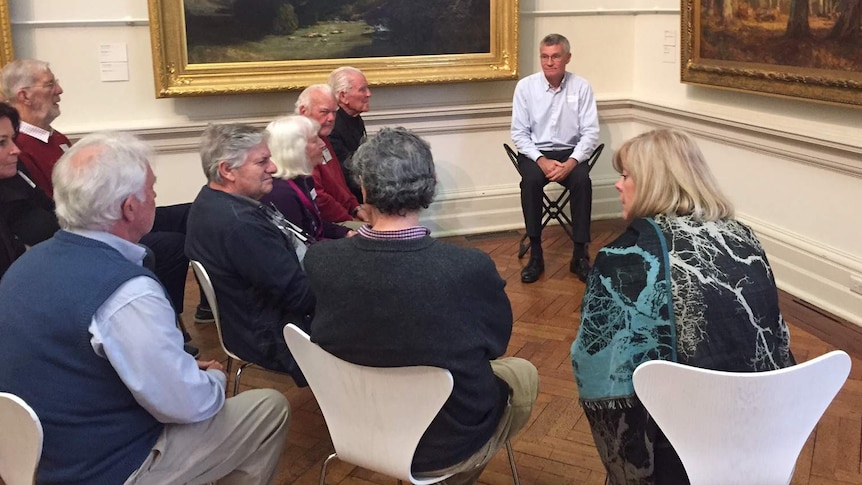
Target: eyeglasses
[(48, 85), (555, 57)]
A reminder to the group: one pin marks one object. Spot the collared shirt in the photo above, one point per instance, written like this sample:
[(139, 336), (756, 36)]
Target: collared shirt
[(415, 232), (545, 118), (135, 329), (34, 131)]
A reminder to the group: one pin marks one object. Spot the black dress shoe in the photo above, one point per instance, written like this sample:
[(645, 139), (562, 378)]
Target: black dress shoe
[(581, 267), (533, 270)]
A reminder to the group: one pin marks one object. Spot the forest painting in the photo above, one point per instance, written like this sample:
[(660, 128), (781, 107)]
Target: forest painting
[(204, 47), (272, 30), (805, 48)]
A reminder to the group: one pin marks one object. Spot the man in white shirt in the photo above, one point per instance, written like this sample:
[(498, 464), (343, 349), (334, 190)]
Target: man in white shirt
[(555, 127), (89, 339)]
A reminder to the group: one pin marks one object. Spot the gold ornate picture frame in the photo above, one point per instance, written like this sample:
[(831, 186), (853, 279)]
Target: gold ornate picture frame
[(176, 76), (6, 53), (764, 50)]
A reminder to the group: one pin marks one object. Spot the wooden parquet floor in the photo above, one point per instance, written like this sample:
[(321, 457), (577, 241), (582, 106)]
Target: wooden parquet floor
[(556, 447)]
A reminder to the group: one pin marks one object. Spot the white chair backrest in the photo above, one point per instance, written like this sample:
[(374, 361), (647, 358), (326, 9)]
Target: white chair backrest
[(20, 440), (375, 416), (740, 428), (207, 285)]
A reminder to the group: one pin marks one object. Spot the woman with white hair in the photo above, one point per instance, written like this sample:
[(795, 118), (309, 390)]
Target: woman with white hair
[(687, 283), (296, 150)]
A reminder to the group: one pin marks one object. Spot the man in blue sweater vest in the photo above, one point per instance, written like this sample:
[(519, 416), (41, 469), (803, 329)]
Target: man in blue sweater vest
[(88, 338)]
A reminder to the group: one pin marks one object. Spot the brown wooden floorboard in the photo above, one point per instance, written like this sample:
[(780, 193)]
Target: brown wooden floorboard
[(556, 446)]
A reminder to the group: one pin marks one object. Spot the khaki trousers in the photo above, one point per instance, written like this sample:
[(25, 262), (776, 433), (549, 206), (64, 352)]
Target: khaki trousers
[(523, 380), (240, 445)]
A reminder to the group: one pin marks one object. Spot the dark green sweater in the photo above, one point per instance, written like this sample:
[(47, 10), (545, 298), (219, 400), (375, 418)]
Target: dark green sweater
[(419, 302)]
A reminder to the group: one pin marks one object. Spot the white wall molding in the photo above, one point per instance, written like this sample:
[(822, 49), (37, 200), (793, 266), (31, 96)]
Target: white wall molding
[(793, 146), (828, 154), (85, 23), (599, 11)]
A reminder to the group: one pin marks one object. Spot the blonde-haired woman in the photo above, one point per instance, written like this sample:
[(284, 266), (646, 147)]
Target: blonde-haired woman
[(686, 282), (296, 150)]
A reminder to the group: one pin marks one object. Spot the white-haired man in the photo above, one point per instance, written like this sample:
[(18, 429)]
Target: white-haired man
[(31, 87), (334, 198), (90, 342), (352, 94), (246, 248)]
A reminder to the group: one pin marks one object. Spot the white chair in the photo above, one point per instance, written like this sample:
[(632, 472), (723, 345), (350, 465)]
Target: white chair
[(20, 441), (375, 415), (740, 428), (207, 285)]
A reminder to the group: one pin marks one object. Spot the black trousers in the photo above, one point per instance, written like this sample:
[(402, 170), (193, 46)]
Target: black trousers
[(533, 182), (167, 240)]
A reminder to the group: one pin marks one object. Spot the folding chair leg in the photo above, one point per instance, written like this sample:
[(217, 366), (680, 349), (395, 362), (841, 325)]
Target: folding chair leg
[(323, 469), (512, 463)]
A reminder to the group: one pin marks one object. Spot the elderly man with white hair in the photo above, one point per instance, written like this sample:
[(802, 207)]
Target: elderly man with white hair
[(89, 340), (352, 94), (334, 198)]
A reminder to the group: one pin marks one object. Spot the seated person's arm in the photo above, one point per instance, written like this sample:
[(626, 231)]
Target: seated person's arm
[(521, 130), (588, 121), (263, 259), (139, 336)]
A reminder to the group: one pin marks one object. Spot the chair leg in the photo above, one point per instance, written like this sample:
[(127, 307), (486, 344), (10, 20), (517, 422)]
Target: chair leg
[(239, 370), (512, 463), (227, 367), (323, 469)]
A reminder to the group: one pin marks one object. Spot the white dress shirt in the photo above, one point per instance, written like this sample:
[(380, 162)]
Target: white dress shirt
[(545, 118), (135, 329)]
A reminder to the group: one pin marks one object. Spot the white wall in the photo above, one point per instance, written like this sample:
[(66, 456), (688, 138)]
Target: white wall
[(793, 168)]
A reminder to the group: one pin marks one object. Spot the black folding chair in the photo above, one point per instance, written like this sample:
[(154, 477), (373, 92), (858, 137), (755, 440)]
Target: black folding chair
[(552, 209)]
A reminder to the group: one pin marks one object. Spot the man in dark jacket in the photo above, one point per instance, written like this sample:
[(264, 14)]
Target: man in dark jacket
[(250, 257)]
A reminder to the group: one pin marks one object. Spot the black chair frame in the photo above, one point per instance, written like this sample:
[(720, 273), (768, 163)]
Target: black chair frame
[(552, 208)]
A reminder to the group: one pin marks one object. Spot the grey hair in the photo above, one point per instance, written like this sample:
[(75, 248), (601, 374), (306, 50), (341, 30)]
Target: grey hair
[(396, 169), (305, 97), (341, 79), (557, 39), (288, 139), (229, 143), (95, 176), (21, 73)]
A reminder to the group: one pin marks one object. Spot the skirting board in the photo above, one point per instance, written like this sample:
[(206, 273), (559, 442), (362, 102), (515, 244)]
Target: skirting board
[(499, 209), (811, 272)]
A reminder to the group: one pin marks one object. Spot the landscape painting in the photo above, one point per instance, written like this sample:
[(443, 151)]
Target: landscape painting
[(236, 46), (804, 48), (278, 30)]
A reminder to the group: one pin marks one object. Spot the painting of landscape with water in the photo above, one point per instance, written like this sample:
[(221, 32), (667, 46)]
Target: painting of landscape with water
[(279, 30)]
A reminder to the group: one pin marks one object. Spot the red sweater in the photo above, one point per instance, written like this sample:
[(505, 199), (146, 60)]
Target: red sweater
[(40, 158), (334, 199)]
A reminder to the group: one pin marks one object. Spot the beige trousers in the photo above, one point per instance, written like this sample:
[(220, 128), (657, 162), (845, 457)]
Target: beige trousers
[(241, 444), (523, 380)]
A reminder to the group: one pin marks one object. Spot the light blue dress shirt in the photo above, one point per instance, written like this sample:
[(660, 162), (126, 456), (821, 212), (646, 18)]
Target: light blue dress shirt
[(135, 329), (545, 118)]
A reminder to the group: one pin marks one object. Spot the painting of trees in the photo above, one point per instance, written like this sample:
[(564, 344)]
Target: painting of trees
[(802, 48), (821, 34)]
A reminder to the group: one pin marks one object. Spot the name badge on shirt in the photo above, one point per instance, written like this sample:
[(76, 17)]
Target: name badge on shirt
[(313, 194), (64, 147), (326, 155), (571, 98)]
